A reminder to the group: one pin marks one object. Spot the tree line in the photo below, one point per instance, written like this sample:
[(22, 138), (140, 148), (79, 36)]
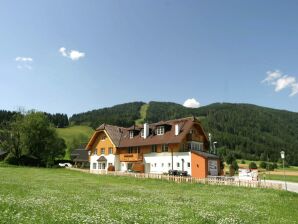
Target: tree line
[(31, 139), (248, 131), (59, 120)]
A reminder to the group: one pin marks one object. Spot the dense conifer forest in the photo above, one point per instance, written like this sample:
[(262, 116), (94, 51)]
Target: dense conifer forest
[(249, 131)]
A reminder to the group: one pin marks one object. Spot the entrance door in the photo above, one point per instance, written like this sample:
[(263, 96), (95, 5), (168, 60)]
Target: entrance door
[(147, 167), (129, 166)]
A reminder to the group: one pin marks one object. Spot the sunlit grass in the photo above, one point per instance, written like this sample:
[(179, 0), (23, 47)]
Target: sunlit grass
[(32, 195)]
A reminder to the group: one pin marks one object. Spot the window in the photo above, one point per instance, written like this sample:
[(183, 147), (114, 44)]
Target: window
[(198, 146), (103, 166), (165, 148), (95, 152), (192, 131), (178, 164), (110, 150), (102, 151), (142, 133), (162, 165), (154, 164), (137, 149), (103, 137), (188, 164), (130, 134), (94, 166), (154, 148), (129, 149), (99, 166), (160, 130), (169, 164), (110, 164)]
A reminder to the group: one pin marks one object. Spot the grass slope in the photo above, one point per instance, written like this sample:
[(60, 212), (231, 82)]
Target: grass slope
[(32, 195), (74, 135), (143, 114)]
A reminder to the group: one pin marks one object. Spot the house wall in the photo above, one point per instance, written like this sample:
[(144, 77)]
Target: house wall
[(199, 166), (162, 162), (103, 141)]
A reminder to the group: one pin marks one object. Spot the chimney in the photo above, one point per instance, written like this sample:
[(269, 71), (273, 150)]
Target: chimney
[(146, 130), (177, 129)]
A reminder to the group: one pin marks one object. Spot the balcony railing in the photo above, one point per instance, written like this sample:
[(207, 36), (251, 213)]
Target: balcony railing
[(131, 157)]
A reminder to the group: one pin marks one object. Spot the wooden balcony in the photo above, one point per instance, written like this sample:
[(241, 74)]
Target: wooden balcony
[(131, 157)]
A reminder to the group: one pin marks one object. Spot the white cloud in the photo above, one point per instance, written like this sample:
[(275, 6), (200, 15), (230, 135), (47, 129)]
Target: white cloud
[(191, 103), (76, 55), (62, 50), (271, 76), (294, 89), (284, 82), (24, 62), (73, 54), (24, 59), (281, 82)]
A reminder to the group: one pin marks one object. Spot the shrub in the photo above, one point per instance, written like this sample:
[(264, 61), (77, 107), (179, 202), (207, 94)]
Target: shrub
[(235, 165), (11, 159), (253, 165), (270, 167), (275, 165), (242, 161), (263, 165)]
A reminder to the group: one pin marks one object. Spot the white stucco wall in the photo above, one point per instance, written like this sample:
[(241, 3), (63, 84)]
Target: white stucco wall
[(159, 162), (114, 159)]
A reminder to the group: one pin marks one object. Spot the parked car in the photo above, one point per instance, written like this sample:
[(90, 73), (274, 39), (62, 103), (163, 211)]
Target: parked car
[(65, 165)]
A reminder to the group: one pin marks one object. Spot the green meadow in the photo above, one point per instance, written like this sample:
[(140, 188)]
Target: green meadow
[(40, 195)]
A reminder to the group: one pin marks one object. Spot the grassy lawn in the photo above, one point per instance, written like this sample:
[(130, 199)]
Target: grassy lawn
[(79, 134), (32, 195), (143, 112), (281, 177)]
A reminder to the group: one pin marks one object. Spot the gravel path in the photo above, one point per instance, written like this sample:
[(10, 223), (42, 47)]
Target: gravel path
[(291, 186)]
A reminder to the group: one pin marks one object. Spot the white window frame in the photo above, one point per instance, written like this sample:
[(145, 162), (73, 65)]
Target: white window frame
[(110, 150), (160, 130), (94, 166), (95, 152), (130, 150), (165, 146), (154, 148), (102, 149), (130, 134), (188, 164), (178, 164), (142, 133)]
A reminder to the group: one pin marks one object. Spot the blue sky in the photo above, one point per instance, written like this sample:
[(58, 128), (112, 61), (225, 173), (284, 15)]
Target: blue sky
[(123, 51)]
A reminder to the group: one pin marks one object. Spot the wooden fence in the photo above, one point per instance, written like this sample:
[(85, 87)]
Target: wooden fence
[(212, 180)]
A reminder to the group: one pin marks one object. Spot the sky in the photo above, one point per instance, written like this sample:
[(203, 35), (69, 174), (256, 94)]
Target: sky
[(74, 56)]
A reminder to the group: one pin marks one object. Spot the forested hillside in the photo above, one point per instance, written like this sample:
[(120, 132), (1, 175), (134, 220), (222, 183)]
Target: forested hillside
[(58, 119), (252, 132), (122, 115)]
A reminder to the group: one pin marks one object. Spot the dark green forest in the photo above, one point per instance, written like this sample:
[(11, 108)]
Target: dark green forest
[(249, 131), (122, 115), (58, 120)]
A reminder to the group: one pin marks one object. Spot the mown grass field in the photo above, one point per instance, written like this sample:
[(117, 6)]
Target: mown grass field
[(74, 135), (36, 195), (75, 132)]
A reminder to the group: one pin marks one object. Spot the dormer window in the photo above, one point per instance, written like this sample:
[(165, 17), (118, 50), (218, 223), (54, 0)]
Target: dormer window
[(142, 133), (130, 134), (160, 130)]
